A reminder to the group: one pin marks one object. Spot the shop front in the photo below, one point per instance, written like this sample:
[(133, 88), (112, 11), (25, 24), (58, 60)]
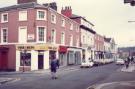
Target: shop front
[(74, 56), (34, 57), (63, 55)]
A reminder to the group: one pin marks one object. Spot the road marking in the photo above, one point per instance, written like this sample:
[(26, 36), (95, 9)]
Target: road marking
[(99, 86)]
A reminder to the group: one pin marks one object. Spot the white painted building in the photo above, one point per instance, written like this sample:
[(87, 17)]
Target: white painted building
[(87, 39)]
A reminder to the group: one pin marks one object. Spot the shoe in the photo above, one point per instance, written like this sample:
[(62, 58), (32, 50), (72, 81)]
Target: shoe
[(56, 78), (53, 77)]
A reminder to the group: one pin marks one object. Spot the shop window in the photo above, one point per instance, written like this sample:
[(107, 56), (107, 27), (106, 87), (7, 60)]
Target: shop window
[(25, 59)]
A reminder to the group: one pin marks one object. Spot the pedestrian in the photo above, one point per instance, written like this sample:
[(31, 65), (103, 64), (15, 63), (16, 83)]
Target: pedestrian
[(53, 67), (127, 62), (58, 63), (132, 60)]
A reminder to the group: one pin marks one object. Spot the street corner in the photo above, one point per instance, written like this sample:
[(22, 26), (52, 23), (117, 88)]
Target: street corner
[(115, 85), (4, 80)]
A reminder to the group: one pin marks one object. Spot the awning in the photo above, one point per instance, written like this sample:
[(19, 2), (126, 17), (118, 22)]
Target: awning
[(62, 49)]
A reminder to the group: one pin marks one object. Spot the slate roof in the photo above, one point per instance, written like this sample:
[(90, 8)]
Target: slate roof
[(22, 6), (107, 39), (88, 29)]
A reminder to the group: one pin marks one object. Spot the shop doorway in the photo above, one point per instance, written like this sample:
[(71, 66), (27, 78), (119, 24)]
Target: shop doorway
[(40, 61)]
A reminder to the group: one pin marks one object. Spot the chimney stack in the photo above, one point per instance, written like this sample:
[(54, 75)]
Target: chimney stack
[(67, 11), (25, 1)]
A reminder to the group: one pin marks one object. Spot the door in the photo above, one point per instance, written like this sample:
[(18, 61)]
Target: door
[(40, 61), (4, 60)]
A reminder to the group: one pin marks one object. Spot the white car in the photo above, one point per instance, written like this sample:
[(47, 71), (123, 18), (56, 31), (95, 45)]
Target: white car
[(120, 62), (87, 64)]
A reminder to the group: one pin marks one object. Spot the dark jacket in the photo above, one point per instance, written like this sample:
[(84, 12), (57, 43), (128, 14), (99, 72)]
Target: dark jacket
[(53, 66)]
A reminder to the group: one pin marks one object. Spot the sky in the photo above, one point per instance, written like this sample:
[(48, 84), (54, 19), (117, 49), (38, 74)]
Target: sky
[(110, 17)]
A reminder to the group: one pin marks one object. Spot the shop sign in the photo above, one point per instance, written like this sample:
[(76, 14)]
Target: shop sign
[(36, 47), (30, 36), (63, 49), (52, 48), (41, 47), (22, 47)]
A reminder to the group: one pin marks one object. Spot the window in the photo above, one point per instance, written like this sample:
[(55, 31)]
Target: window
[(4, 35), (25, 59), (71, 26), (71, 40), (77, 42), (53, 18), (63, 38), (53, 36), (41, 34), (4, 17), (63, 22), (77, 28), (41, 15), (83, 39), (22, 15)]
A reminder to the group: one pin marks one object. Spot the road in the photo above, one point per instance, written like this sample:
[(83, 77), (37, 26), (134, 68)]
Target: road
[(76, 78)]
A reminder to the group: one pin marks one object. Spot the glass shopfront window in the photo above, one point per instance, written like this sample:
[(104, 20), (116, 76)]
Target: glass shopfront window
[(25, 59)]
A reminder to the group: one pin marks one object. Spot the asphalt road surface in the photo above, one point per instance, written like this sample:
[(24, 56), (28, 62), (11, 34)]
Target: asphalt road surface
[(75, 78)]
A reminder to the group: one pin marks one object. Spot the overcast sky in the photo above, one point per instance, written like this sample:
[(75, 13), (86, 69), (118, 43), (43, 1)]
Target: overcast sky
[(110, 17)]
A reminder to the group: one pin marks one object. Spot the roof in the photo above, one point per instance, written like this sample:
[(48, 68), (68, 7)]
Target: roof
[(22, 6), (86, 28), (77, 16), (107, 39)]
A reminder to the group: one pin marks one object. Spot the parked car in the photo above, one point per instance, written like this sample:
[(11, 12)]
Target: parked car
[(87, 63), (120, 62)]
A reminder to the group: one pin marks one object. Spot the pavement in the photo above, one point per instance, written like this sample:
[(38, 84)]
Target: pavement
[(118, 85), (131, 68)]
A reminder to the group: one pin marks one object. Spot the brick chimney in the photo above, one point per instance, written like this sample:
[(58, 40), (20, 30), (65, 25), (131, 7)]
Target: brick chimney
[(67, 11), (25, 1)]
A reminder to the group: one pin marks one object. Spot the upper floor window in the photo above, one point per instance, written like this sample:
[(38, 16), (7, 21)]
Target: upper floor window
[(4, 17), (22, 15), (53, 36), (53, 18), (4, 35), (71, 26), (77, 42), (71, 40), (41, 34), (83, 39), (63, 38), (41, 15), (63, 22), (77, 28)]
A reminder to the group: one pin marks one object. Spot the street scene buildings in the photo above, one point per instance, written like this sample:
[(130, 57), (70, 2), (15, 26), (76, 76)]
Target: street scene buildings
[(57, 44), (30, 33)]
